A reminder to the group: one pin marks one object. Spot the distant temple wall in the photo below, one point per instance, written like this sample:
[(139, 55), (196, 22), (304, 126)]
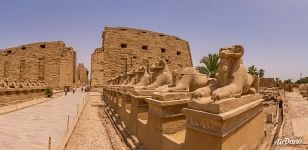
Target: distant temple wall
[(82, 75), (51, 62), (125, 49)]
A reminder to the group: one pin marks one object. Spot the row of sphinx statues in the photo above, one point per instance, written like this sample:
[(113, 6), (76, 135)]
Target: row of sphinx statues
[(16, 84), (232, 79)]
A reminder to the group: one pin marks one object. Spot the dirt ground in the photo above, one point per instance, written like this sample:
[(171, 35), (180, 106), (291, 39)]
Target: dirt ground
[(269, 107), (90, 133)]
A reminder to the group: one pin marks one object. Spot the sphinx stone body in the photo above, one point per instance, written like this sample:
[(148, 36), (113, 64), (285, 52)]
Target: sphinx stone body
[(120, 79), (124, 79), (227, 109), (13, 84), (4, 83), (233, 79), (143, 77), (132, 78), (187, 79), (160, 76)]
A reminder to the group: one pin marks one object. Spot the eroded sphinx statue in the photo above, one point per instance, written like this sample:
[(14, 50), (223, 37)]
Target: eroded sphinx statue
[(116, 80), (119, 79), (13, 84), (131, 78), (142, 77), (160, 75), (43, 83), (22, 84), (187, 79), (232, 80), (33, 83), (27, 84), (227, 108), (112, 81), (124, 79), (4, 83)]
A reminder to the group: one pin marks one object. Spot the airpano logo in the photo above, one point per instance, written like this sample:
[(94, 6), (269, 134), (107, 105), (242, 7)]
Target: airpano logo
[(288, 141)]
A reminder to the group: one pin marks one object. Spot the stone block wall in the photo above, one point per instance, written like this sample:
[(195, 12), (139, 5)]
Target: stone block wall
[(82, 75), (125, 49), (12, 96), (268, 82), (39, 61), (68, 67), (97, 71)]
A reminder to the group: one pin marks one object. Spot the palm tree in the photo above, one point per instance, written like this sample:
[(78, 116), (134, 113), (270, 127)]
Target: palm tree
[(261, 73), (253, 70), (278, 81), (211, 62)]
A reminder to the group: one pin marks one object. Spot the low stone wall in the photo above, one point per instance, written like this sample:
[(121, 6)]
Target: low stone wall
[(10, 96), (272, 93), (303, 88), (151, 121), (268, 82)]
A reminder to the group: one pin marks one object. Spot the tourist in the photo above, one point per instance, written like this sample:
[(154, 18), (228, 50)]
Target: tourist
[(65, 90)]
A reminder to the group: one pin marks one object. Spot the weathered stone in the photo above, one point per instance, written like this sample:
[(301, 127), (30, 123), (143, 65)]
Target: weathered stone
[(143, 77), (303, 88), (82, 75), (270, 93), (233, 79), (160, 75), (222, 125), (164, 117), (268, 82), (125, 49), (51, 62), (269, 118), (227, 110), (185, 80)]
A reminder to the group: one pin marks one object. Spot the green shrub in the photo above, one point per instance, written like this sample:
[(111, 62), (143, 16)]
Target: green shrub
[(48, 92), (301, 81)]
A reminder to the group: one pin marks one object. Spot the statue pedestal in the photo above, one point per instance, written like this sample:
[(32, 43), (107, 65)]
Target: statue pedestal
[(139, 112), (125, 107), (113, 99), (229, 124), (139, 107), (104, 94), (164, 117), (108, 95), (118, 101), (140, 92), (170, 96)]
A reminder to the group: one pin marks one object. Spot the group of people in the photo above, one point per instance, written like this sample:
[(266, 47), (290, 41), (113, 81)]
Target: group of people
[(83, 89)]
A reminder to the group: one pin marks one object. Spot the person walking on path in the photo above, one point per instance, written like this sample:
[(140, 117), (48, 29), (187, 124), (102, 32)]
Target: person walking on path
[(73, 90), (65, 91)]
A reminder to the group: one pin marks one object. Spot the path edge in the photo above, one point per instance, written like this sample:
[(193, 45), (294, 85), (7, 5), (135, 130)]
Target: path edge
[(72, 127)]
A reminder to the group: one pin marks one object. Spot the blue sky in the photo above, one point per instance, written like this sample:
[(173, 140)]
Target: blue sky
[(274, 32)]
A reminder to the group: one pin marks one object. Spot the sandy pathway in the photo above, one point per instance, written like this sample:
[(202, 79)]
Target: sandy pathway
[(89, 133), (296, 122), (29, 128)]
